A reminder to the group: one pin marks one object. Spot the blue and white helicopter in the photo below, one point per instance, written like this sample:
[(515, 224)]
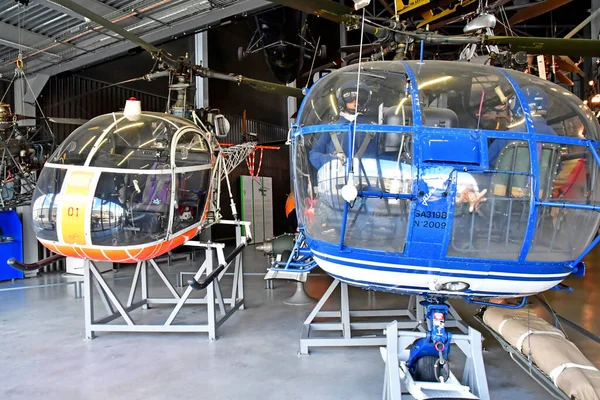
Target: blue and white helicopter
[(446, 180), (443, 179), (437, 178)]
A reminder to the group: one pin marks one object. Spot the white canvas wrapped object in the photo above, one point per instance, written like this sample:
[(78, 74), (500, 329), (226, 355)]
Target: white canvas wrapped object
[(558, 357)]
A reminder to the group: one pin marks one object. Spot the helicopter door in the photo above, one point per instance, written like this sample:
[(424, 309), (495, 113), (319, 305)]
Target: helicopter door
[(382, 165), (491, 211), (192, 180)]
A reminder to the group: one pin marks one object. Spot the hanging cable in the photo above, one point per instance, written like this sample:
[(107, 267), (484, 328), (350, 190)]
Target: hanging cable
[(362, 31), (349, 191), (313, 61)]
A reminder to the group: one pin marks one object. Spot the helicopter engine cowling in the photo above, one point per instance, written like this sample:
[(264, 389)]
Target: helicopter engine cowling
[(124, 188), (471, 181)]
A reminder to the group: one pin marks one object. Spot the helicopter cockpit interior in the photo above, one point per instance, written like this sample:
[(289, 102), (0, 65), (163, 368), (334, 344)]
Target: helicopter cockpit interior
[(149, 173), (438, 131)]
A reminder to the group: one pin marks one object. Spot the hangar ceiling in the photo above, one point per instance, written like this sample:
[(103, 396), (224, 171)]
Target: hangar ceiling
[(53, 39)]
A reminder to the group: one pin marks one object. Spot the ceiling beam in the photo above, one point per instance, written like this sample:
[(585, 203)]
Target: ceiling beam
[(18, 46), (189, 26), (92, 5), (536, 10), (10, 37)]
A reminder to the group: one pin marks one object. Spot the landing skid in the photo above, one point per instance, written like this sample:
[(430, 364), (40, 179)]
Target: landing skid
[(352, 333), (398, 379), (213, 299)]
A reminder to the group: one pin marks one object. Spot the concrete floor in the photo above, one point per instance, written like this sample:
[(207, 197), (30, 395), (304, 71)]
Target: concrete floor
[(44, 354)]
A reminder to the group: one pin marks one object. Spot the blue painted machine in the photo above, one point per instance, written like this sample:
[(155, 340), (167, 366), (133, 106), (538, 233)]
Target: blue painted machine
[(11, 244)]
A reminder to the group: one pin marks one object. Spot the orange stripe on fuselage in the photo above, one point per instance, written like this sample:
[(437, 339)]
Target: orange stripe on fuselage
[(121, 255), (77, 187)]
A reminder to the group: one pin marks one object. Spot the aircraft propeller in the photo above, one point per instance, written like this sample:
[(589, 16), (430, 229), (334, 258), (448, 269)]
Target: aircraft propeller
[(388, 31), (183, 63)]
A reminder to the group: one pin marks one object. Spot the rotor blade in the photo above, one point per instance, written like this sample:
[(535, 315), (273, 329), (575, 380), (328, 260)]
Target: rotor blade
[(256, 84), (566, 64), (270, 87), (67, 121), (327, 9), (563, 78), (108, 25), (540, 45), (536, 10)]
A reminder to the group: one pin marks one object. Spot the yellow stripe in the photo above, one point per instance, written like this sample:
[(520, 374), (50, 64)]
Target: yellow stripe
[(77, 186)]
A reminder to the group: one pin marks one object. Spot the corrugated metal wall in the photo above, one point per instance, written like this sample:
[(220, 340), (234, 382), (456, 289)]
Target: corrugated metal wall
[(275, 164), (78, 97)]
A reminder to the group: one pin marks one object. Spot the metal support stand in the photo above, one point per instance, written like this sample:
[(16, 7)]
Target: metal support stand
[(212, 299), (300, 298), (398, 379), (413, 315), (269, 284)]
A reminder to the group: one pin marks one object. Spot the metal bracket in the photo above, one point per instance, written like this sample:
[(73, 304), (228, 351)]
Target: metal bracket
[(413, 317)]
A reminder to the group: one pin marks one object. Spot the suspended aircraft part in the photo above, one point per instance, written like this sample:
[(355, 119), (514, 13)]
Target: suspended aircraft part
[(481, 22), (384, 32), (23, 149), (283, 36)]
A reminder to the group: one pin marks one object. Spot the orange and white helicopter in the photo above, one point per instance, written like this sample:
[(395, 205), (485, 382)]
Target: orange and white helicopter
[(130, 186)]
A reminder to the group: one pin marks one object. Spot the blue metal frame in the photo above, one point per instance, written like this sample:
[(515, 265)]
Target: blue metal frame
[(300, 255), (349, 168), (533, 165), (500, 305), (438, 339), (417, 165)]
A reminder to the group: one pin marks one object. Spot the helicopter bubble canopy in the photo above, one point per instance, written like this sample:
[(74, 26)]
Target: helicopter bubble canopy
[(450, 96), (459, 171), (122, 189)]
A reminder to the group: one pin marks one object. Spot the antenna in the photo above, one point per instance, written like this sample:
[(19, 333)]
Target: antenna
[(349, 191), (480, 107)]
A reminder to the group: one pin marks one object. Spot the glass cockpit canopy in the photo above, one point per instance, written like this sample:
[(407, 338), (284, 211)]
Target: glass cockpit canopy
[(451, 95), (150, 176), (110, 140)]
